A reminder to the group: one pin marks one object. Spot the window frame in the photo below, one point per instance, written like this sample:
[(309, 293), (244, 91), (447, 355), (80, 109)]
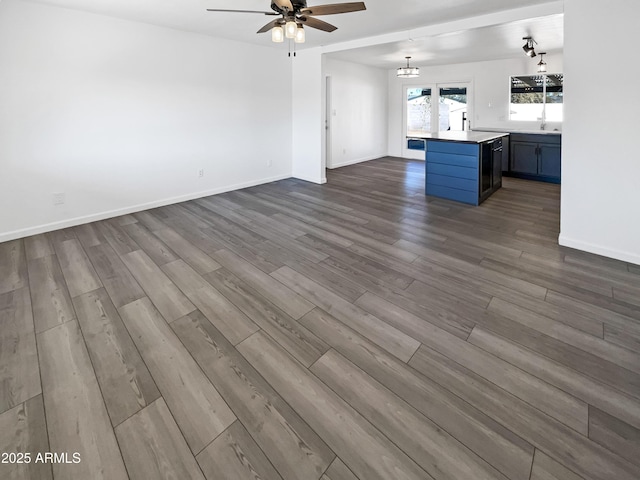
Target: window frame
[(544, 92)]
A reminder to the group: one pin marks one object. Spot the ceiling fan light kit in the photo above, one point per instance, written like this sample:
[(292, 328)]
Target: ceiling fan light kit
[(290, 29), (294, 15), (408, 71), (277, 34), (300, 35)]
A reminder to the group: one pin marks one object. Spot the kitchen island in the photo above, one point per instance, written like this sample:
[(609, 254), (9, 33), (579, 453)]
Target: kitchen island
[(463, 166)]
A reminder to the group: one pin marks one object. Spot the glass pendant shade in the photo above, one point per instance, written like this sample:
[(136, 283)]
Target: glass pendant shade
[(277, 34), (411, 72), (290, 29), (408, 71), (300, 35), (542, 65)]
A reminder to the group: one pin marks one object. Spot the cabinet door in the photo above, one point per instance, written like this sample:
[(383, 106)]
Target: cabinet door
[(524, 158), (506, 149), (496, 180), (550, 157)]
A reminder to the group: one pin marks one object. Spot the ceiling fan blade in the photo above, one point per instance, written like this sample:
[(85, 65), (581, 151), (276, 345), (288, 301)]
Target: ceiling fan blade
[(240, 11), (269, 26), (282, 5), (334, 8), (319, 24)]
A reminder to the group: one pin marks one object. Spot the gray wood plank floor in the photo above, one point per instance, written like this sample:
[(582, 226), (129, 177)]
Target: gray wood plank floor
[(353, 330)]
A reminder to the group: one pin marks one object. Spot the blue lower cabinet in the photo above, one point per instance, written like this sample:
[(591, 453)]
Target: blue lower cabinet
[(535, 157), (462, 171)]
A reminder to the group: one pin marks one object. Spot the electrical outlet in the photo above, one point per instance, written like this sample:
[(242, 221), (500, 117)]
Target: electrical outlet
[(344, 151), (58, 198), (201, 173), (268, 162)]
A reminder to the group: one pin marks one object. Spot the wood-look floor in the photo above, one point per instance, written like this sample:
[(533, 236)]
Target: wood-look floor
[(355, 330)]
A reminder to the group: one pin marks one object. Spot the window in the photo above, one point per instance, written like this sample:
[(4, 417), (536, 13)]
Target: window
[(536, 98), (452, 108), (446, 105)]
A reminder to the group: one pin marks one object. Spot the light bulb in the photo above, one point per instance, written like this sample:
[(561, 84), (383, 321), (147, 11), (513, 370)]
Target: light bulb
[(300, 35), (290, 29), (277, 34)]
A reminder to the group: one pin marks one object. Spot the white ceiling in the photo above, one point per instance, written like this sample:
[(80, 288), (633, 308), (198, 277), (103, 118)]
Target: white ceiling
[(472, 45), (381, 16)]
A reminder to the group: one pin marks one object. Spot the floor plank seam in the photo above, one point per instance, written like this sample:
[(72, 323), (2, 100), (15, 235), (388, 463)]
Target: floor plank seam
[(421, 276)]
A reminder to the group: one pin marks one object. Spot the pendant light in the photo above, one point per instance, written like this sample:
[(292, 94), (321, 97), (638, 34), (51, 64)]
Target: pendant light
[(300, 35), (542, 65), (290, 29), (277, 34), (408, 72)]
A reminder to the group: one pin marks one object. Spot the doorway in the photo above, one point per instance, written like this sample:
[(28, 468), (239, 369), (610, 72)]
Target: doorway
[(429, 108), (328, 114)]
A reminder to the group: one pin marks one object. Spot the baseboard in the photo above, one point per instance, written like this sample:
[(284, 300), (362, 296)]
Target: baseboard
[(599, 250), (414, 155), (353, 162), (318, 180), (72, 222)]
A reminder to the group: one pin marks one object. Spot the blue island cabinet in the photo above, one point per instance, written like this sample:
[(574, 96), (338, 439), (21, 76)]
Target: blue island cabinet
[(463, 166), (453, 171)]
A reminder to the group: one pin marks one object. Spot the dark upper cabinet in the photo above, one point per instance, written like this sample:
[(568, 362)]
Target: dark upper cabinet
[(535, 156), (524, 158)]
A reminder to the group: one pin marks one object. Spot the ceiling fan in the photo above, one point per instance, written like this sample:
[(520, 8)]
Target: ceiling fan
[(294, 15)]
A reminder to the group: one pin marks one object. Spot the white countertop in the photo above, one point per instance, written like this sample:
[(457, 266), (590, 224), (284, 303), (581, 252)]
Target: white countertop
[(532, 132), (466, 137)]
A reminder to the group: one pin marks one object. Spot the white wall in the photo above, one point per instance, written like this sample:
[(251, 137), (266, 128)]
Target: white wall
[(359, 105), (489, 99), (307, 132), (120, 116), (601, 163)]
